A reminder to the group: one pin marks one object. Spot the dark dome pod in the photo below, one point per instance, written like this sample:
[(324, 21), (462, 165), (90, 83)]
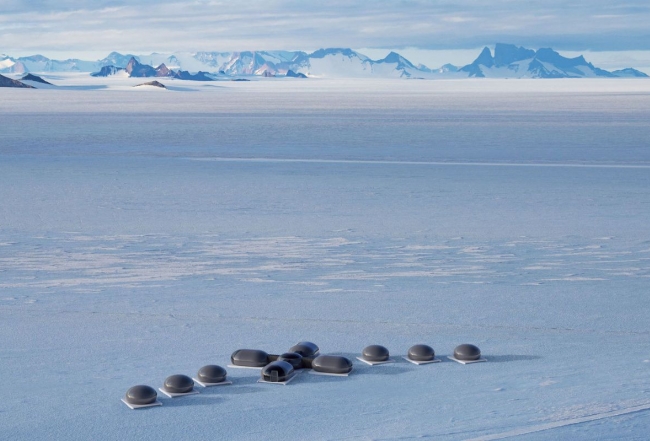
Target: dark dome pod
[(211, 374), (178, 384), (140, 395), (250, 358), (375, 353), (277, 371), (305, 348), (331, 364), (421, 353), (467, 352), (293, 358)]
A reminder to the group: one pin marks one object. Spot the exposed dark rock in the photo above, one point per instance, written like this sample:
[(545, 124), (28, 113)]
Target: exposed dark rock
[(35, 78), (630, 73), (136, 69), (293, 74), (106, 71), (8, 82), (152, 83), (185, 75), (164, 71)]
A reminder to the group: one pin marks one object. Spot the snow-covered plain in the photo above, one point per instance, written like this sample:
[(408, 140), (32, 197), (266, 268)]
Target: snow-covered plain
[(148, 234)]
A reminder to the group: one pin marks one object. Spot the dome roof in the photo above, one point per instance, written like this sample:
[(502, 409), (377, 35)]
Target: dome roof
[(467, 352), (375, 353), (331, 364), (140, 394), (305, 348), (178, 384), (211, 374), (277, 371), (421, 353), (293, 358), (250, 358)]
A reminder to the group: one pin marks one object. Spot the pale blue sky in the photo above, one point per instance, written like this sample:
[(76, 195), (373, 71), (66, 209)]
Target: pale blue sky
[(458, 27)]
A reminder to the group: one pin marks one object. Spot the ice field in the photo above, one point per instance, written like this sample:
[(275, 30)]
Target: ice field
[(145, 233)]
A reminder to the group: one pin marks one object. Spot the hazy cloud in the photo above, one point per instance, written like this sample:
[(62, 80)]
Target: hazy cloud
[(144, 25)]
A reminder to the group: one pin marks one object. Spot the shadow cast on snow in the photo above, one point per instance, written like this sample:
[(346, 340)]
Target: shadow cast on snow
[(508, 358), (200, 399)]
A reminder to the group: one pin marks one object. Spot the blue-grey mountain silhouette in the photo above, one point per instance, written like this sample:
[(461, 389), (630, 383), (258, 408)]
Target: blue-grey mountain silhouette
[(135, 69), (185, 75), (35, 78), (8, 82), (518, 62), (107, 71), (116, 59), (629, 72), (505, 61), (293, 74)]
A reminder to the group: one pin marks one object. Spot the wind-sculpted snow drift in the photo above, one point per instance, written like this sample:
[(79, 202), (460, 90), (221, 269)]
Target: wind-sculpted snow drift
[(145, 234)]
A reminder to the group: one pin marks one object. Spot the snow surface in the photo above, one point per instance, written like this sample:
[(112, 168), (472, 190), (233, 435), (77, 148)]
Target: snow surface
[(144, 235)]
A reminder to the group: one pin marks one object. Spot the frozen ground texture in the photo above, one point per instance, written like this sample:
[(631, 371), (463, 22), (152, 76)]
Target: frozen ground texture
[(144, 234)]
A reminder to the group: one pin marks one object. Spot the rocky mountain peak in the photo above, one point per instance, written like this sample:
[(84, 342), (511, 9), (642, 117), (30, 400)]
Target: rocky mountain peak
[(506, 54)]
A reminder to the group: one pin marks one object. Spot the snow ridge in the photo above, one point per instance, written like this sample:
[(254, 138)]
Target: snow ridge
[(556, 424)]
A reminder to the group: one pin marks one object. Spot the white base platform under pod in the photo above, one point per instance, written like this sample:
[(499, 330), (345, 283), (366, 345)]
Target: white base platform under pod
[(480, 360)]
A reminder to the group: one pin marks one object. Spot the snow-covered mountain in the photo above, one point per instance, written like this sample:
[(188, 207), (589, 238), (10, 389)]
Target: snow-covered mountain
[(507, 61), (333, 62), (39, 63), (116, 59), (247, 63), (510, 61), (629, 72), (107, 71), (346, 62), (135, 69)]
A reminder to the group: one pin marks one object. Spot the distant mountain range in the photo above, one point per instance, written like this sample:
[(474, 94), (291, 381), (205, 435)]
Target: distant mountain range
[(8, 82), (138, 70), (507, 61), (518, 62)]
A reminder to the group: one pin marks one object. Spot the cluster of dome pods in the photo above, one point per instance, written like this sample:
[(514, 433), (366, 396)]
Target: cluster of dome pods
[(174, 386), (421, 354), (282, 368)]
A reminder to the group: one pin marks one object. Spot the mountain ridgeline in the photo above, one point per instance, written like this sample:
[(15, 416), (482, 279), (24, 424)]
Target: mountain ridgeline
[(8, 82), (517, 62), (505, 61)]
